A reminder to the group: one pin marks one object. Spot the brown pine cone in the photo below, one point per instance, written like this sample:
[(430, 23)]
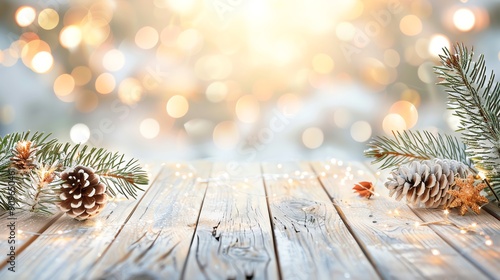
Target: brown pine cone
[(24, 158), (82, 194)]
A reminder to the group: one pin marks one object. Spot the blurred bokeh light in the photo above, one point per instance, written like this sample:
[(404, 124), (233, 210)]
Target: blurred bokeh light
[(243, 80)]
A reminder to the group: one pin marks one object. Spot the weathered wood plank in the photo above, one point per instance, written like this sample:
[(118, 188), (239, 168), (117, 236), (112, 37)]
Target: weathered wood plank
[(233, 238), (67, 248), (476, 237), (312, 240), (26, 228), (387, 230), (155, 242), (480, 245)]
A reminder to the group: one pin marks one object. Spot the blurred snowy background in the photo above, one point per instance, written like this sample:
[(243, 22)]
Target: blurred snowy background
[(232, 79)]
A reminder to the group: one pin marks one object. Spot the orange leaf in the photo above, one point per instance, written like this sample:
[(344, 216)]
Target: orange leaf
[(364, 189)]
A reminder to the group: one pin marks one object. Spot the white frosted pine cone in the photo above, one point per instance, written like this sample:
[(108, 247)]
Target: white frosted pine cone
[(426, 183), (82, 194)]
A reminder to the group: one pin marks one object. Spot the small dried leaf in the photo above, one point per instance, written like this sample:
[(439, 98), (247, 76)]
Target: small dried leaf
[(364, 189)]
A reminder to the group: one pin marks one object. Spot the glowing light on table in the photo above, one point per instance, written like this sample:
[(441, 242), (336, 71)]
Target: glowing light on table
[(79, 133), (42, 62), (410, 25), (181, 6), (70, 36), (216, 92), (130, 91), (345, 31), (177, 106), (32, 48), (190, 40), (437, 43), (149, 128), (113, 60), (48, 19), (407, 111), (146, 38), (426, 73), (393, 122), (95, 30), (105, 83), (464, 19), (25, 15), (64, 85), (312, 137), (247, 109), (322, 63)]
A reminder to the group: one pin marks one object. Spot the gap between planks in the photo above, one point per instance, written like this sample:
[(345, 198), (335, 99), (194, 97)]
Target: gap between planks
[(27, 223), (50, 253), (385, 226), (121, 250), (471, 245)]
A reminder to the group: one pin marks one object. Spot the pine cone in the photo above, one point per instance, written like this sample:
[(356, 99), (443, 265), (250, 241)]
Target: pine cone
[(24, 158), (426, 183), (82, 194)]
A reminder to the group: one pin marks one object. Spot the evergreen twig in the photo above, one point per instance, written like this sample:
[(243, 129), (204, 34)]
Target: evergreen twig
[(414, 145), (34, 191), (474, 97)]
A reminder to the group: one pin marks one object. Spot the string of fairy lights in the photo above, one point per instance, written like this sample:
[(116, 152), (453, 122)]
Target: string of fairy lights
[(214, 71)]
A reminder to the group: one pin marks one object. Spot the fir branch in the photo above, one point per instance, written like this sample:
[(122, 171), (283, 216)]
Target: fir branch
[(127, 176), (35, 193), (8, 177), (414, 145), (475, 102)]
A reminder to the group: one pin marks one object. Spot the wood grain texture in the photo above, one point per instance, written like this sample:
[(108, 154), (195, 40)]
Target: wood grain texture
[(68, 248), (233, 238), (386, 229), (480, 243), (288, 221), (155, 241), (473, 245), (27, 227), (311, 239)]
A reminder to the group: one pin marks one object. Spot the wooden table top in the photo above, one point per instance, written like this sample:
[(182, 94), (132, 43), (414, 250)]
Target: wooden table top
[(295, 220)]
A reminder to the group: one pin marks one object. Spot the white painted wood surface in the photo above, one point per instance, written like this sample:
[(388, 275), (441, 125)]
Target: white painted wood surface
[(233, 238), (296, 220), (155, 241), (387, 230), (312, 241)]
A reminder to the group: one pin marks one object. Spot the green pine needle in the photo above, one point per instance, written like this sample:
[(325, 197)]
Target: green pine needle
[(121, 176), (409, 145), (474, 97)]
